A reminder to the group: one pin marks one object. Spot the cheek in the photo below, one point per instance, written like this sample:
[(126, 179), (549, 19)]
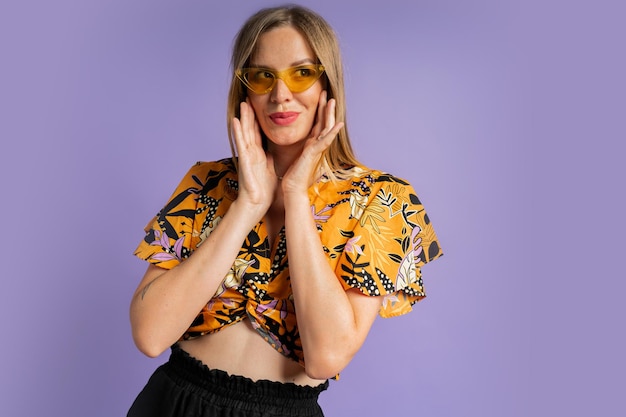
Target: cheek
[(255, 101), (258, 107), (313, 95)]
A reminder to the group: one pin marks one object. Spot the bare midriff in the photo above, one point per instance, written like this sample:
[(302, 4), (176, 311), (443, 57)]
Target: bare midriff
[(239, 350)]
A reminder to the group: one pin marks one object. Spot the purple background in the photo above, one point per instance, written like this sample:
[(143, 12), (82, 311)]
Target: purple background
[(504, 115)]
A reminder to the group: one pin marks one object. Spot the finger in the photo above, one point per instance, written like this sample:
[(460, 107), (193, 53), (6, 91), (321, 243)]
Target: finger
[(257, 134), (250, 131), (254, 129), (330, 115), (328, 137), (246, 122), (323, 141), (237, 132), (320, 118)]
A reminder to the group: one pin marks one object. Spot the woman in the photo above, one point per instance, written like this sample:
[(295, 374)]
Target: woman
[(219, 288)]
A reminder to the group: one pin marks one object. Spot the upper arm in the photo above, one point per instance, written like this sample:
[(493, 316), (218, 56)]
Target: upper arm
[(366, 310), (151, 274)]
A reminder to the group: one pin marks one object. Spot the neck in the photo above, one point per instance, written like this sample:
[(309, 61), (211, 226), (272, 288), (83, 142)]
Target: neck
[(284, 156)]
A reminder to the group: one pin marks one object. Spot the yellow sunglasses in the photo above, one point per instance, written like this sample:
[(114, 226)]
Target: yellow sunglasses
[(297, 79)]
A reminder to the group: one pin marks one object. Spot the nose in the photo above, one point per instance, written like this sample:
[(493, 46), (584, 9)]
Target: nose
[(280, 92)]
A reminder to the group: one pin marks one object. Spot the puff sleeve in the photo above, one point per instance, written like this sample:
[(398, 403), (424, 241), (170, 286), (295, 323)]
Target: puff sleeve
[(391, 240), (191, 213)]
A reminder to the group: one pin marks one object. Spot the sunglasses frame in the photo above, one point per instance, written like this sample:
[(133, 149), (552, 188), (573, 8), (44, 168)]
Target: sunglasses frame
[(282, 75)]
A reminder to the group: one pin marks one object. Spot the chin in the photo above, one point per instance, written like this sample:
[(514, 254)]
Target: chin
[(285, 140)]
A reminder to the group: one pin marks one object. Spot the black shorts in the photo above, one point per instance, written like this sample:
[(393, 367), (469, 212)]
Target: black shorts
[(185, 387)]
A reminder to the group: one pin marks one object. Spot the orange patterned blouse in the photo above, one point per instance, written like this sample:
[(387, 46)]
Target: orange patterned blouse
[(372, 227)]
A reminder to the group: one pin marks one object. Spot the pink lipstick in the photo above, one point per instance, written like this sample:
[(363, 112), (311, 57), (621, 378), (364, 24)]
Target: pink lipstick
[(284, 118)]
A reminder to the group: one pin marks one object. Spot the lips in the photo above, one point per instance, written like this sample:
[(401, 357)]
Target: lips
[(284, 118)]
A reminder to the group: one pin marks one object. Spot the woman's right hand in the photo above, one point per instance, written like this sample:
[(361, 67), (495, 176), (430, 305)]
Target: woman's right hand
[(257, 180)]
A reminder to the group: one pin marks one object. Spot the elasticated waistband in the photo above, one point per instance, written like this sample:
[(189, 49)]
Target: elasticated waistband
[(219, 387)]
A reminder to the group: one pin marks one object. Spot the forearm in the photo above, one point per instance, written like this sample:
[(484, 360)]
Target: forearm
[(167, 301), (326, 319)]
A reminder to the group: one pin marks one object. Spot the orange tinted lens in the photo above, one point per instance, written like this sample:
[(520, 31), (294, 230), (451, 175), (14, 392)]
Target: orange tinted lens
[(301, 78), (297, 79), (259, 79)]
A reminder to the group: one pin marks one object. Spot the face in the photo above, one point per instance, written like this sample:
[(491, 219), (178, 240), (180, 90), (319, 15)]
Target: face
[(286, 118)]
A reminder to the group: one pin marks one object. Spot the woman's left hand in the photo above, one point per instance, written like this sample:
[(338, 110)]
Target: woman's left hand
[(298, 176)]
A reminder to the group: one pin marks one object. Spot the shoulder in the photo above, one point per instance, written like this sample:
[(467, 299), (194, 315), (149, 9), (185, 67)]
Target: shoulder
[(203, 176), (385, 179), (203, 168), (367, 173), (371, 181)]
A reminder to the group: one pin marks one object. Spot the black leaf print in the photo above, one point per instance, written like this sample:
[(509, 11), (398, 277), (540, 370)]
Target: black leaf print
[(414, 199), (433, 249), (348, 234), (347, 269), (391, 178), (394, 257), (339, 248), (405, 244)]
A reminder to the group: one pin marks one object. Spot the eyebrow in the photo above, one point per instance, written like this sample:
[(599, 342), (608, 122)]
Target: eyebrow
[(293, 64)]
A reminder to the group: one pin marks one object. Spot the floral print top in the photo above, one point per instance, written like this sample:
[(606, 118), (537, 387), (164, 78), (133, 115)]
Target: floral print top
[(372, 227)]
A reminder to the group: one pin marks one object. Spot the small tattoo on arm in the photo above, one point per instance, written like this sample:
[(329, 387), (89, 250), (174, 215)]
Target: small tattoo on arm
[(145, 289)]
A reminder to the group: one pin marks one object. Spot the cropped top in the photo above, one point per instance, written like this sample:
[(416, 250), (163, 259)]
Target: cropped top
[(371, 225)]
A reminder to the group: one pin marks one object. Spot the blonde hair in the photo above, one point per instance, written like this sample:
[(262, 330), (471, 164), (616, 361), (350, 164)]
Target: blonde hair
[(323, 42)]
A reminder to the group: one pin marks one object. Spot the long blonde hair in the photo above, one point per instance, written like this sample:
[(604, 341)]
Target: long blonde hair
[(324, 44)]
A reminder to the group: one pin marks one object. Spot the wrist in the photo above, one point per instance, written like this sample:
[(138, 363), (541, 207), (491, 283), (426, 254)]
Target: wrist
[(292, 189), (248, 213), (296, 199)]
